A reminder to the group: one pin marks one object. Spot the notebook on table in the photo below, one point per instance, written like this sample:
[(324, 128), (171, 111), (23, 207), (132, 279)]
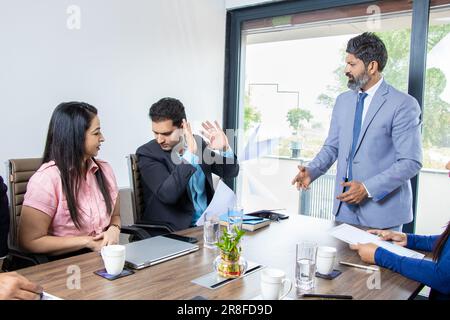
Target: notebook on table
[(148, 252), (269, 214), (249, 223)]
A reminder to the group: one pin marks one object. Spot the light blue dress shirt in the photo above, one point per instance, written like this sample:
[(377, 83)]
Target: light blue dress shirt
[(197, 183)]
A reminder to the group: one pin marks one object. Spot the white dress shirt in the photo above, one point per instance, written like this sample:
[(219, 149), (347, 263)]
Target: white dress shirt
[(370, 93)]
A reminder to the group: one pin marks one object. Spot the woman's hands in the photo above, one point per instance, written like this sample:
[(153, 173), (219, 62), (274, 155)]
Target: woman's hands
[(397, 238), (367, 250), (106, 238)]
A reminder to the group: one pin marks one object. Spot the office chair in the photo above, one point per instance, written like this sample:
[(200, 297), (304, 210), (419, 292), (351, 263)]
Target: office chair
[(137, 202), (20, 172)]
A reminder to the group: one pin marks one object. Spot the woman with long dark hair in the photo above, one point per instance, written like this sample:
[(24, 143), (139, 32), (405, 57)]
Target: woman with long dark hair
[(72, 200), (435, 273)]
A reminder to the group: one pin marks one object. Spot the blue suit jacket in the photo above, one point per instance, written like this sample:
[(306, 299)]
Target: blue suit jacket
[(388, 154)]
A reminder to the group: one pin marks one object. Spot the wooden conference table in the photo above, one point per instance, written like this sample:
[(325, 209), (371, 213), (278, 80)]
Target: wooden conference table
[(272, 246)]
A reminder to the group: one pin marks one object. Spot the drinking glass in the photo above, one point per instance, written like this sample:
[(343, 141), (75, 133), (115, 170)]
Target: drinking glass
[(305, 265)]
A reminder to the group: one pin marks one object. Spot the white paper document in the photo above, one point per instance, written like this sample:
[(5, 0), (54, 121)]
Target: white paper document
[(354, 235), (223, 198), (48, 296)]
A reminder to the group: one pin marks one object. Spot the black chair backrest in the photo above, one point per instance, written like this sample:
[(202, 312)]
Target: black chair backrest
[(137, 198)]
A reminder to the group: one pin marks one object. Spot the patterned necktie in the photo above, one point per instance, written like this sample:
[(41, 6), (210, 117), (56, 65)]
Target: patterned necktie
[(356, 131)]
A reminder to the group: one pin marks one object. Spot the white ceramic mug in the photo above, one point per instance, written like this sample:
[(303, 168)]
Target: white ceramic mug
[(274, 284), (113, 258), (326, 259)]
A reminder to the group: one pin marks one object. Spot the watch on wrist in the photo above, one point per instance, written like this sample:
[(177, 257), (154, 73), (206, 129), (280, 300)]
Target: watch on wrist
[(115, 225)]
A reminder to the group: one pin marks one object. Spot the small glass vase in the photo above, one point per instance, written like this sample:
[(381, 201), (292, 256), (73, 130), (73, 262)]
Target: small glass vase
[(230, 267)]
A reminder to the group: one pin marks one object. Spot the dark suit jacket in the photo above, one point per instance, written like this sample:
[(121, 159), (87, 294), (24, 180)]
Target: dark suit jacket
[(4, 219), (166, 181)]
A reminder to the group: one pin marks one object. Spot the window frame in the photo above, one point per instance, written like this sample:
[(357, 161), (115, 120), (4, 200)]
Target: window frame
[(235, 19)]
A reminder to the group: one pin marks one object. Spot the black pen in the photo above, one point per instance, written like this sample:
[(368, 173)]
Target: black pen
[(327, 296)]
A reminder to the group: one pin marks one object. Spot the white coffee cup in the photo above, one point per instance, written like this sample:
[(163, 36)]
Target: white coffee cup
[(326, 259), (113, 258), (274, 284)]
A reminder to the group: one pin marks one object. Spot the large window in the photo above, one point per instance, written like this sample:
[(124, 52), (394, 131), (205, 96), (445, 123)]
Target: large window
[(291, 73), (285, 71), (434, 185)]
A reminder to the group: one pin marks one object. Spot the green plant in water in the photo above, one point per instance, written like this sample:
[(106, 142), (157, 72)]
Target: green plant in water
[(229, 243)]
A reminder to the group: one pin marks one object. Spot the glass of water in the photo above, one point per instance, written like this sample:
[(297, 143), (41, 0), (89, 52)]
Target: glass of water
[(305, 266), (210, 231), (235, 217)]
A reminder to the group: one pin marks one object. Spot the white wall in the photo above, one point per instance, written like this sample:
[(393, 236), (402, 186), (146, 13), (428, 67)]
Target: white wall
[(126, 55)]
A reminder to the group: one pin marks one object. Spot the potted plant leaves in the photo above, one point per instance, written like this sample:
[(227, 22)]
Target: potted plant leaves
[(230, 264)]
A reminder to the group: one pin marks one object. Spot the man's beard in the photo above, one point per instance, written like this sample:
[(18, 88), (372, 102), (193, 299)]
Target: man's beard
[(358, 82)]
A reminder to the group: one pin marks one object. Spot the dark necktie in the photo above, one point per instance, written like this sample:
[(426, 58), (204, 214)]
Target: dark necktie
[(356, 131)]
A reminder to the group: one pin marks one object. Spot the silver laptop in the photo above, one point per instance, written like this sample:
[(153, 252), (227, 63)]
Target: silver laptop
[(148, 252)]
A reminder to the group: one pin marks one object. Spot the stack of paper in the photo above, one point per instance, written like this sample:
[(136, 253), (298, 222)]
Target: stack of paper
[(48, 296), (354, 235), (223, 198)]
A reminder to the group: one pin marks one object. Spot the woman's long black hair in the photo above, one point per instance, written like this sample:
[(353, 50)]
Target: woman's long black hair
[(66, 146), (441, 243)]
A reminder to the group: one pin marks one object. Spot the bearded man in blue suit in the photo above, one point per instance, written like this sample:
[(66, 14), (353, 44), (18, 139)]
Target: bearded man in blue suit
[(375, 137)]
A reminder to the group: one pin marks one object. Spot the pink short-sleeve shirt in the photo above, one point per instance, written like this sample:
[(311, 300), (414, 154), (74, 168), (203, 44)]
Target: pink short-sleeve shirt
[(44, 193)]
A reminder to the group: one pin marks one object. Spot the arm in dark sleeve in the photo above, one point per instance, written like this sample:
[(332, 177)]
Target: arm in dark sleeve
[(424, 243), (167, 187), (433, 274), (225, 167)]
